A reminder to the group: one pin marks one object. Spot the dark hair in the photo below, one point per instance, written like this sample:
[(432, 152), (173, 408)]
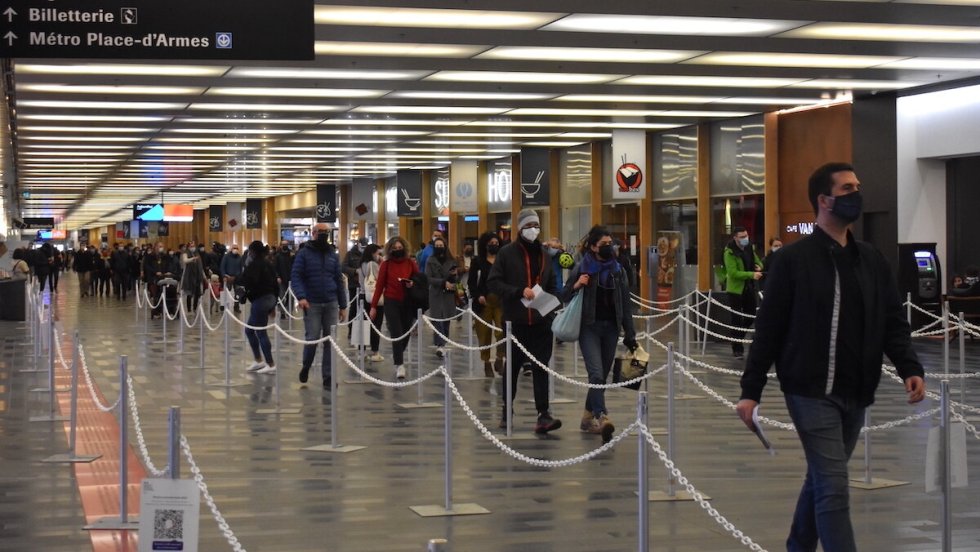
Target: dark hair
[(18, 254), (369, 252), (445, 243), (972, 271), (738, 230), (822, 180), (257, 249), (482, 241), (595, 234), (774, 239)]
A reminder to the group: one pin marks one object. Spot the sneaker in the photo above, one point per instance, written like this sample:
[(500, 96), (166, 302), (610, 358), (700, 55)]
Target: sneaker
[(738, 354), (606, 428), (503, 423), (498, 366), (326, 384), (526, 368), (304, 374), (267, 370), (400, 372), (256, 366), (546, 423), (441, 352), (376, 357), (487, 369)]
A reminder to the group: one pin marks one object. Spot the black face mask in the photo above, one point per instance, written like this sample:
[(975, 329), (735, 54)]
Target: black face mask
[(492, 249), (440, 252), (397, 253), (321, 237), (606, 252), (847, 207)]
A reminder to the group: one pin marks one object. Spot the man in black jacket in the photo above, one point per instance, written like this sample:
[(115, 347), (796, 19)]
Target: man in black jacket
[(831, 310), (520, 266)]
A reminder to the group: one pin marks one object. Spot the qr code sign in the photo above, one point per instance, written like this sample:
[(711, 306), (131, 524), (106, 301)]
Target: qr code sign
[(168, 525)]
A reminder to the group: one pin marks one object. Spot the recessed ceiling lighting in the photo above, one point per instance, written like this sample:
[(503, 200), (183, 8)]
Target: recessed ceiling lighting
[(314, 148), (654, 24), (769, 101), (470, 95), (201, 148), (884, 31), (726, 82), (295, 92), (123, 69), (427, 17), (553, 144), (495, 134), (53, 128), (230, 131), (566, 124), (522, 76), (261, 107), (617, 55), (86, 138), (430, 109), (363, 132), (150, 106), (464, 142), (393, 122), (635, 98), (110, 89), (246, 121), (390, 49), (94, 118), (844, 84), (931, 63), (778, 59), (217, 140), (324, 74)]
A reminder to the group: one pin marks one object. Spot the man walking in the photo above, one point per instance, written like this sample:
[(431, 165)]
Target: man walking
[(520, 266), (743, 268), (831, 310), (318, 283)]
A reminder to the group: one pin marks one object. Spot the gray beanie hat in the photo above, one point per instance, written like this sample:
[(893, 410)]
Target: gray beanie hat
[(527, 216)]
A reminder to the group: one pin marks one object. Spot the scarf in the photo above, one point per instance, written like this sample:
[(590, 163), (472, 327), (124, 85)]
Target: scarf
[(605, 270)]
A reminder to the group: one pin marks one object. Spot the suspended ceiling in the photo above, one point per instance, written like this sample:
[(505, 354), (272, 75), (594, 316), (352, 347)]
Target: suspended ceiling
[(416, 84)]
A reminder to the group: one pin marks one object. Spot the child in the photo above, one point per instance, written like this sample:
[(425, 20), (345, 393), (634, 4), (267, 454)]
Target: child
[(215, 293)]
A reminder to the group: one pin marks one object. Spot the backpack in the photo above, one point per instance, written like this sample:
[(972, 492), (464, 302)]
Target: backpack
[(370, 284)]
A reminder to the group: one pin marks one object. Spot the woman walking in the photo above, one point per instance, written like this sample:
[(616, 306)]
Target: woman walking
[(367, 276), (261, 288), (606, 309), (394, 279), (440, 270), (486, 305)]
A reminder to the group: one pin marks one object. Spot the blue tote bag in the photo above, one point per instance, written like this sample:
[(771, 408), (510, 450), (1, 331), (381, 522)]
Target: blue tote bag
[(567, 324)]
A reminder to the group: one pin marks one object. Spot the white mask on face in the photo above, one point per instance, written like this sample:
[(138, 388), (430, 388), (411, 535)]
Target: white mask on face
[(530, 234)]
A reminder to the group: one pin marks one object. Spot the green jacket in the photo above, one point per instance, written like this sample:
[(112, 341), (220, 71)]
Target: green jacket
[(736, 273)]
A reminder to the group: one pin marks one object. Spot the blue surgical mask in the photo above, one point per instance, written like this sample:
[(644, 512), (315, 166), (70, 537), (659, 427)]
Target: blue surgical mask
[(744, 242)]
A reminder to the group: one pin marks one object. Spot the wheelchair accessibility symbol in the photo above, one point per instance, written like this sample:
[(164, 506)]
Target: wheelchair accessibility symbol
[(222, 41)]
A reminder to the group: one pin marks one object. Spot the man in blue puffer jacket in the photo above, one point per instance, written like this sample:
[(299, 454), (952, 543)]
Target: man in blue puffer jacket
[(317, 281)]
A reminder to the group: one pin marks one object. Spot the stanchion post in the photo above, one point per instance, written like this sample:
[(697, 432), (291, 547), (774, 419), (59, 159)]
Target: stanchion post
[(181, 321), (946, 338), (449, 430), (123, 439), (136, 304), (707, 322), (670, 415), (334, 442), (174, 441), (947, 467), (73, 408), (227, 321), (201, 340), (643, 480), (508, 376), (867, 447), (962, 339), (166, 312), (575, 355), (418, 360), (51, 353), (469, 339)]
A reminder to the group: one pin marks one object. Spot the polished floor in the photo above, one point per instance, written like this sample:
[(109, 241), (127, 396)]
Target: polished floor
[(277, 497)]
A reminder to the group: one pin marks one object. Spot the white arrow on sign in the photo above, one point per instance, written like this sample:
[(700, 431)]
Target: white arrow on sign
[(11, 37), (10, 13)]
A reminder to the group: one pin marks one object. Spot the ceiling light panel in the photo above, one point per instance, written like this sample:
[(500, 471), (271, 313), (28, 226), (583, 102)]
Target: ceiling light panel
[(426, 17), (324, 74), (93, 118), (522, 77), (626, 98), (110, 89), (844, 84), (253, 91), (609, 55), (707, 81), (777, 59), (668, 25), (144, 106), (504, 96), (932, 64), (215, 106), (396, 49), (247, 121), (363, 132), (54, 128), (886, 32), (392, 122), (122, 69), (231, 131), (430, 109)]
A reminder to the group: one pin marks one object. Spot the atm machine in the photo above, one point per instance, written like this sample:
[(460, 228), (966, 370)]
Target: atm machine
[(920, 274)]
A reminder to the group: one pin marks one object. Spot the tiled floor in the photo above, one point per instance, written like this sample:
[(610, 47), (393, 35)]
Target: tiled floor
[(277, 497)]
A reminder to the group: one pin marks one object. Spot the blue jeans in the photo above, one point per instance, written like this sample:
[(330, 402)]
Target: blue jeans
[(319, 319), (598, 344), (828, 429), (443, 328), (259, 316)]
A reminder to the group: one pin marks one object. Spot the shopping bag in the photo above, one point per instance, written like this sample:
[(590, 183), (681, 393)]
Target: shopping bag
[(361, 333), (568, 322), (630, 366)]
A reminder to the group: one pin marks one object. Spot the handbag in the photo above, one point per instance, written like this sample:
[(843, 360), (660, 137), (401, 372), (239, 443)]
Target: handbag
[(568, 322), (630, 366), (370, 284)]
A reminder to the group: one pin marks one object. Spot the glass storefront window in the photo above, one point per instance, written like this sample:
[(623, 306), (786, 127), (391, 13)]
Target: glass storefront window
[(675, 158), (738, 156), (747, 211), (676, 233), (575, 167)]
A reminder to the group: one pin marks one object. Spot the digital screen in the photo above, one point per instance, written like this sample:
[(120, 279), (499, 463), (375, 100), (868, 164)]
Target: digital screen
[(922, 254), (150, 212), (471, 218), (924, 264), (178, 213)]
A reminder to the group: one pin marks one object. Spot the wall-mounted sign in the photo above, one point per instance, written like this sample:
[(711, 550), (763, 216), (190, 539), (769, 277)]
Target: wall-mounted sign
[(326, 203), (175, 29), (535, 177), (216, 217), (37, 223), (463, 179), (629, 164), (409, 196), (499, 186), (253, 213), (233, 216), (440, 193)]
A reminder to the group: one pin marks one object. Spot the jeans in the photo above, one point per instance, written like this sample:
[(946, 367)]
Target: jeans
[(598, 343), (399, 318), (538, 340), (319, 319), (442, 328), (828, 429), (744, 304), (376, 322), (259, 316)]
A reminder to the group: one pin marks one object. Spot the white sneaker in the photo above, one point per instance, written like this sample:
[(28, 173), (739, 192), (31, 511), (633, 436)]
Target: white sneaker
[(376, 357), (256, 366), (441, 352), (400, 372), (267, 370)]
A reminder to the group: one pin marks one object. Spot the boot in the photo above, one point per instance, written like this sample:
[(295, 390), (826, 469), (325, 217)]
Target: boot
[(498, 366), (589, 423), (487, 369), (606, 428)]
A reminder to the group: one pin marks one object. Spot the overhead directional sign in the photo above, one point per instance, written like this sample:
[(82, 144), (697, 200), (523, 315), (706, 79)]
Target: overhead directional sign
[(171, 29)]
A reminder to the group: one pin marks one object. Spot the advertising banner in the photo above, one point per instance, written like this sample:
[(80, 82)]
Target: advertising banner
[(326, 203), (535, 177), (463, 183), (253, 213), (216, 218), (629, 164), (409, 183)]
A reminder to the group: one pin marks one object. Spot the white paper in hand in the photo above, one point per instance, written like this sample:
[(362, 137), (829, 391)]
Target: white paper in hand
[(757, 429), (543, 301)]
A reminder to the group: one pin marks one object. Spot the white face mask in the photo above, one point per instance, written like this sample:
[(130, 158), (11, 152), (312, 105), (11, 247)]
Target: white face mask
[(530, 234), (776, 247)]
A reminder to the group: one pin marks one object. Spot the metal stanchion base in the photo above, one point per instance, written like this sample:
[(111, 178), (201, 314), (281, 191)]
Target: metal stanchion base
[(48, 389), (32, 370), (278, 410), (554, 401), (679, 496), (875, 484), (357, 381), (659, 431), (522, 436), (230, 384), (331, 448), (70, 459), (684, 397), (47, 418), (113, 524), (434, 510), (414, 405)]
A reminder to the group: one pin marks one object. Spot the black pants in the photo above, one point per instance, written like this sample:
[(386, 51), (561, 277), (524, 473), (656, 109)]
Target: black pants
[(352, 311), (53, 278), (743, 304), (376, 322), (400, 319), (538, 340), (120, 283)]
